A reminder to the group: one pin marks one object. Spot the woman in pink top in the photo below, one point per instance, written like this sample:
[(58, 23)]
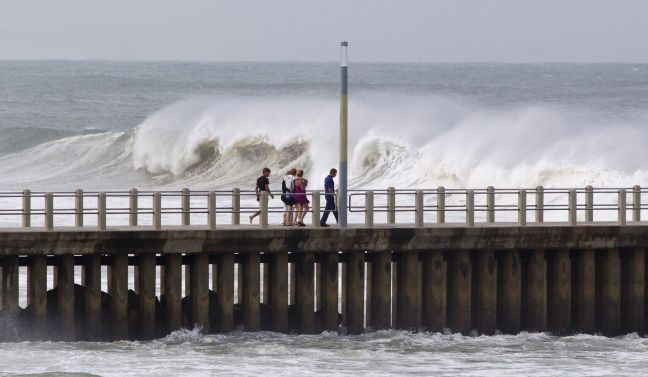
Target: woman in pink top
[(301, 200)]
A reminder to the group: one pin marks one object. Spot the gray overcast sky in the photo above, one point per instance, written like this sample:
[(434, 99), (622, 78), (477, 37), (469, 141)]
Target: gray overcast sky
[(378, 30)]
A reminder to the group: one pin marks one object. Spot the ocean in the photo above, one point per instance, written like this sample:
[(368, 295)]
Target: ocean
[(102, 125)]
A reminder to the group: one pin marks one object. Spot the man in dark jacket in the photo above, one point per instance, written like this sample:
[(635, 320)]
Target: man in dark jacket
[(329, 195)]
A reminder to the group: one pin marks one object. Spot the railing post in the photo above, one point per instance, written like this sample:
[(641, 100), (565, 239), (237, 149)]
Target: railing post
[(211, 210), (101, 211), (391, 205), (26, 208), (133, 207), (78, 208), (419, 207), (157, 210), (589, 204), (186, 206), (522, 207), (470, 208), (622, 207), (490, 204), (263, 209), (440, 205), (369, 209), (236, 206), (539, 204), (636, 203), (572, 206), (316, 209), (49, 211)]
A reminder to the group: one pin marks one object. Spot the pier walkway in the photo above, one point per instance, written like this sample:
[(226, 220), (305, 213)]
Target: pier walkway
[(482, 261)]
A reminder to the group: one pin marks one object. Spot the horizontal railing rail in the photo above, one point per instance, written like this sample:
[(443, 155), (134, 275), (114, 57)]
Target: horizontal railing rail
[(422, 207)]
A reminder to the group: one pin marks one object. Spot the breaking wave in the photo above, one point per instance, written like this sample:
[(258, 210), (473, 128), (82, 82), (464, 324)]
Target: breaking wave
[(402, 142)]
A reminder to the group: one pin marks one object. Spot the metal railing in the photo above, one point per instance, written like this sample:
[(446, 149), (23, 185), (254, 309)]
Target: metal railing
[(422, 207)]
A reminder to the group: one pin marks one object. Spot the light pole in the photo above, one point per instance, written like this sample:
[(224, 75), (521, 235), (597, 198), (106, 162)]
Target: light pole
[(342, 187)]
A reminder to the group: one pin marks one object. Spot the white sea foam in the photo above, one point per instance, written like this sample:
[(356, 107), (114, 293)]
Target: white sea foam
[(402, 142)]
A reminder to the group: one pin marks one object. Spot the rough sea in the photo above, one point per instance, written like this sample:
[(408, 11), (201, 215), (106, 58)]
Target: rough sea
[(167, 125)]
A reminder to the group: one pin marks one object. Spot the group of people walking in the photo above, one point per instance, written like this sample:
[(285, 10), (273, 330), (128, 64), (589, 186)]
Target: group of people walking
[(294, 197)]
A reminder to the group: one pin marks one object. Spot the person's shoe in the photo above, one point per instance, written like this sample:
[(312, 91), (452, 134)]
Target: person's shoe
[(301, 224), (324, 225), (251, 218)]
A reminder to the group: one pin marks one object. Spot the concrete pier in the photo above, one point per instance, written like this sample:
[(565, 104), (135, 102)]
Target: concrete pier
[(475, 276)]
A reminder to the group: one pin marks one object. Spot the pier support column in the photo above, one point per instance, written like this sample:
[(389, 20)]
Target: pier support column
[(434, 287), (537, 292), (199, 283), (251, 299), (409, 304), (304, 269), (511, 295), (147, 296), (172, 300), (330, 291), (278, 295), (65, 297), (355, 292), (635, 291), (586, 299), (10, 283), (37, 292), (459, 280), (611, 325), (380, 299), (92, 285), (225, 296), (486, 290), (119, 295), (561, 292)]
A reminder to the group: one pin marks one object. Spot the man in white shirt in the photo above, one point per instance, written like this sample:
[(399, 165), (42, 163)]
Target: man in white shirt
[(287, 189)]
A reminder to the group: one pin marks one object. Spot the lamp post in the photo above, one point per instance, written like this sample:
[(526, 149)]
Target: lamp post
[(342, 187)]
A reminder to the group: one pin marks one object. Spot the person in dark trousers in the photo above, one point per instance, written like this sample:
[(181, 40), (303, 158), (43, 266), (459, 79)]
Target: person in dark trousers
[(263, 184), (329, 195)]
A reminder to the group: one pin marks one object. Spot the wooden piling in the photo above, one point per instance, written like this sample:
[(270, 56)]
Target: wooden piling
[(147, 297), (635, 291), (536, 291), (10, 283), (225, 296), (586, 292), (459, 281), (65, 297), (37, 292), (380, 299), (119, 295), (278, 295), (199, 283), (511, 292), (172, 299), (434, 306), (611, 315), (251, 302), (355, 293), (92, 285), (304, 270), (408, 296), (486, 292), (560, 314), (330, 291)]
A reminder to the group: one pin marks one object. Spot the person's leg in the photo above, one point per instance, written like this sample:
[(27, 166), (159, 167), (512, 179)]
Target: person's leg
[(306, 208), (285, 215), (298, 213), (329, 206)]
